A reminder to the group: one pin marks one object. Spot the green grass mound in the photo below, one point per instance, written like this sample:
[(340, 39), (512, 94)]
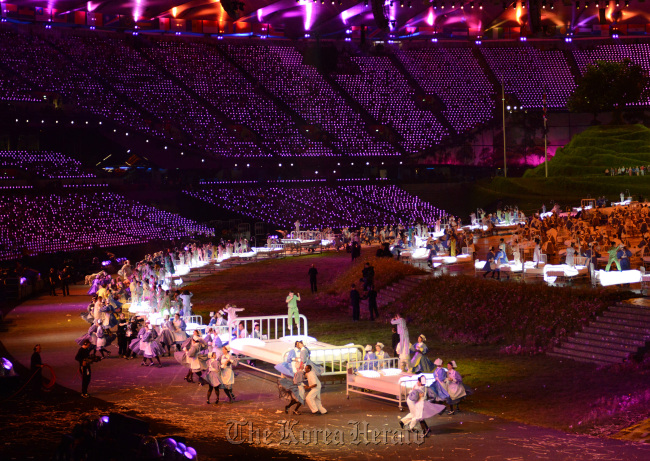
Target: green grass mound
[(524, 317), (598, 148)]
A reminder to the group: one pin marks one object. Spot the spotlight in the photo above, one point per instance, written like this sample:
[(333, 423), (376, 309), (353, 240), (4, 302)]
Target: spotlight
[(435, 5), (471, 5), (586, 4), (7, 368), (552, 5), (627, 3), (480, 5), (577, 5), (543, 4), (401, 3)]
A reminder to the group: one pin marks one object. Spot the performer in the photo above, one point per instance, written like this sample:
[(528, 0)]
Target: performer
[(369, 359), (570, 255), (313, 273), (102, 340), (380, 353), (454, 387), (227, 375), (178, 330), (623, 255), (231, 311), (166, 336), (613, 258), (84, 359), (286, 368), (149, 348), (212, 378), (537, 253), (122, 342), (491, 264), (404, 344), (438, 386), (314, 387), (293, 390), (419, 408), (297, 224), (190, 356), (186, 297), (305, 358), (293, 314), (420, 363)]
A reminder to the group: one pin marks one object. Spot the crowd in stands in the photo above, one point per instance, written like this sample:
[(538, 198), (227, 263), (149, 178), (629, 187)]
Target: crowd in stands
[(44, 164), (455, 75), (66, 222), (253, 100), (323, 206)]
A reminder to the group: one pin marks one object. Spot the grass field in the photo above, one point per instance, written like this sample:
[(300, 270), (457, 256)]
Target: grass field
[(577, 171), (532, 389)]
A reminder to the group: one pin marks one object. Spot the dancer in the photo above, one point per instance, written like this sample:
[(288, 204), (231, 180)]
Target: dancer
[(190, 356), (454, 387), (149, 348), (419, 408), (314, 387), (178, 330), (420, 363), (404, 344), (438, 390), (166, 336), (293, 314), (227, 375), (213, 376), (290, 365), (293, 390), (102, 340), (305, 358)]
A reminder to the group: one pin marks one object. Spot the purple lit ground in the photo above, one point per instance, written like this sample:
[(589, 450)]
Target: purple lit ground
[(173, 406)]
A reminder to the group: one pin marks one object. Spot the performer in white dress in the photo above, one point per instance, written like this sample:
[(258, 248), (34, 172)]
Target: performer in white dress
[(419, 408)]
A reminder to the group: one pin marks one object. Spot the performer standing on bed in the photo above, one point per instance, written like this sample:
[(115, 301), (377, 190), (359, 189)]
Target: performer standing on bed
[(404, 344), (293, 314)]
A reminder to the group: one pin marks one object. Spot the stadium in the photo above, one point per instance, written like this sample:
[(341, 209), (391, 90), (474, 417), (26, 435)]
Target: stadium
[(485, 159)]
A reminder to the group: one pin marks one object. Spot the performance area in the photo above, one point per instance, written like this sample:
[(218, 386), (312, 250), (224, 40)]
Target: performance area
[(177, 409)]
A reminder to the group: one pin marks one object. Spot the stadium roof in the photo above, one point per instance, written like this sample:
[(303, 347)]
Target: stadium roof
[(332, 18)]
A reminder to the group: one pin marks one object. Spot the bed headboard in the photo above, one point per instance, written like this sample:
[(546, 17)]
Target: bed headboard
[(275, 326)]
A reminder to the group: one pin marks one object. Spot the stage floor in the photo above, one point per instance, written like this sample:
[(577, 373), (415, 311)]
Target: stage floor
[(162, 396)]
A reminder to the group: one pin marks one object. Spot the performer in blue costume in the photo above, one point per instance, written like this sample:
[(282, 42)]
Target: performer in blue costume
[(420, 363), (437, 388)]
